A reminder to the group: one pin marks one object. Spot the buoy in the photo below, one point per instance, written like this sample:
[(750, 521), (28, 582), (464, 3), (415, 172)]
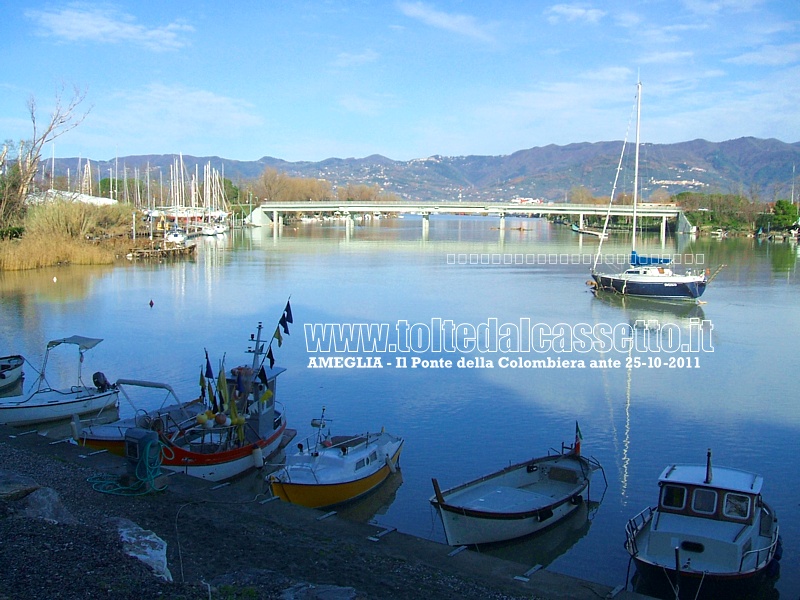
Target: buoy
[(220, 418), (258, 457), (202, 418)]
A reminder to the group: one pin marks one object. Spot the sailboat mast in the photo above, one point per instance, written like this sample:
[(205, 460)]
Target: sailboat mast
[(636, 161)]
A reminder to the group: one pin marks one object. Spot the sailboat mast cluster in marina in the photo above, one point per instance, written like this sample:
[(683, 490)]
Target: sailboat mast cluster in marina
[(192, 204)]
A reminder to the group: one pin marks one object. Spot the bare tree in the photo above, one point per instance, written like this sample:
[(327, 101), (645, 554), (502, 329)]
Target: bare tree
[(18, 178)]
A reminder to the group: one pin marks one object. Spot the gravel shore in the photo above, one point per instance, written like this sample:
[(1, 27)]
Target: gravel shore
[(218, 546)]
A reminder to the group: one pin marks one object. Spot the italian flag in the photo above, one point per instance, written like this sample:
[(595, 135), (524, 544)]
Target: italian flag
[(576, 449)]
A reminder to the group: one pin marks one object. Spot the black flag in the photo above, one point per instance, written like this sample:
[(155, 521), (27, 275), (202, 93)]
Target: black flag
[(288, 313)]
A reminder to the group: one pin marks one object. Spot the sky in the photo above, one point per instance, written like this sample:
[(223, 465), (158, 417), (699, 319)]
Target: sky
[(307, 80)]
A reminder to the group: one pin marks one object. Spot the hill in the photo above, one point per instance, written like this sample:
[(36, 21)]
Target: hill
[(759, 168)]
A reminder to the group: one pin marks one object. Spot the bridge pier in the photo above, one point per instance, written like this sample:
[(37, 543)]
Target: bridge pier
[(580, 220), (502, 221), (663, 228)]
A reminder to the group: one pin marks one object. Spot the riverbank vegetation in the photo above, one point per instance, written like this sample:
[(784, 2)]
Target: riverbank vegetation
[(63, 232)]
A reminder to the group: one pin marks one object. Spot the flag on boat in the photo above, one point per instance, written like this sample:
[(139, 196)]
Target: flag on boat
[(262, 375), (284, 323), (202, 385), (277, 335), (209, 372), (287, 312), (239, 382), (222, 388), (576, 449), (270, 357)]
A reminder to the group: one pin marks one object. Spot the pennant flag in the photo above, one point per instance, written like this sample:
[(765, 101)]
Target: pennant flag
[(213, 397), (278, 337), (202, 385), (222, 388), (239, 382), (284, 324), (209, 372), (288, 313), (270, 357), (266, 395), (262, 375), (576, 449)]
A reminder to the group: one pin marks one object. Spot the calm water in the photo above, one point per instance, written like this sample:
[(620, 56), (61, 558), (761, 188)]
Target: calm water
[(740, 399)]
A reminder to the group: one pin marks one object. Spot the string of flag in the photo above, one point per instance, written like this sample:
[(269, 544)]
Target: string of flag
[(207, 375)]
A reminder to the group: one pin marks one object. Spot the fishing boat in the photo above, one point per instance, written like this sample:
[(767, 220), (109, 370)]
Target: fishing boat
[(516, 501), (647, 276), (330, 470), (710, 527), (220, 435), (10, 370), (46, 403)]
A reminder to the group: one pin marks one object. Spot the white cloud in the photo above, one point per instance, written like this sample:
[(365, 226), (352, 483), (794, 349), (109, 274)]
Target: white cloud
[(665, 57), (573, 12), (769, 55), (345, 59), (164, 118), (465, 25), (713, 7), (79, 23)]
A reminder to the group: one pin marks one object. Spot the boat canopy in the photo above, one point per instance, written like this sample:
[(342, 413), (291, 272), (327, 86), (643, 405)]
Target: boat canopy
[(724, 478), (643, 261), (84, 343)]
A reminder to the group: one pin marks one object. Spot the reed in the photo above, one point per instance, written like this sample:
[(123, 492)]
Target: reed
[(36, 251), (61, 233)]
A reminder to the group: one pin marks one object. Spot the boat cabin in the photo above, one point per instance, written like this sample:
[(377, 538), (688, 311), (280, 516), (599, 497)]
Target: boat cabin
[(727, 495)]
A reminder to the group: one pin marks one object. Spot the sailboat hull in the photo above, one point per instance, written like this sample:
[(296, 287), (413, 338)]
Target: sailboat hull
[(686, 288)]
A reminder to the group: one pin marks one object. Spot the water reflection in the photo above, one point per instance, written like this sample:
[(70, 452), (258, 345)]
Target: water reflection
[(653, 310), (376, 503), (763, 588), (546, 546)]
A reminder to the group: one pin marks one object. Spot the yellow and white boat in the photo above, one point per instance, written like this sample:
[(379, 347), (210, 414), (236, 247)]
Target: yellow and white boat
[(329, 470)]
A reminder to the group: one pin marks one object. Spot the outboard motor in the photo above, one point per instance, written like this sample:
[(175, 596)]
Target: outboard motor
[(100, 382)]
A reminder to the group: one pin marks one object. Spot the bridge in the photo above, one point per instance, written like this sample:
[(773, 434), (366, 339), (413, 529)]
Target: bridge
[(271, 212)]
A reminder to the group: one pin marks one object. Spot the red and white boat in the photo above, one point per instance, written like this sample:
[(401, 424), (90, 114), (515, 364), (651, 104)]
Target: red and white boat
[(231, 430)]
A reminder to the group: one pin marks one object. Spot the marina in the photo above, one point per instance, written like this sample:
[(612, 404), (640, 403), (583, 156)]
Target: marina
[(468, 272)]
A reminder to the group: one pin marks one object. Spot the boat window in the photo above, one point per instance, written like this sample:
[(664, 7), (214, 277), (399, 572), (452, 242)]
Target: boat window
[(373, 456), (673, 496), (692, 546), (360, 464), (704, 501), (736, 506)]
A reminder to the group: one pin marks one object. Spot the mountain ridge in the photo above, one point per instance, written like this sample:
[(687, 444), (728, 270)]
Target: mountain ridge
[(750, 166)]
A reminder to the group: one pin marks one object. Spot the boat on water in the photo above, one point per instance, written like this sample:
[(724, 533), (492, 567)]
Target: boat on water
[(331, 470), (647, 276), (711, 528), (10, 370), (46, 403), (516, 501), (175, 236), (218, 436)]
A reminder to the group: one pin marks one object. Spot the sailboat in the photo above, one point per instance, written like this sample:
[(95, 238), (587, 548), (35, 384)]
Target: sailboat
[(647, 276)]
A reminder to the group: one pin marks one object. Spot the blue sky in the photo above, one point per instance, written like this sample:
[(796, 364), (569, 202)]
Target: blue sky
[(309, 80)]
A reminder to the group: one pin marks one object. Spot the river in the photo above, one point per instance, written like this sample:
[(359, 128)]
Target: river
[(721, 375)]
